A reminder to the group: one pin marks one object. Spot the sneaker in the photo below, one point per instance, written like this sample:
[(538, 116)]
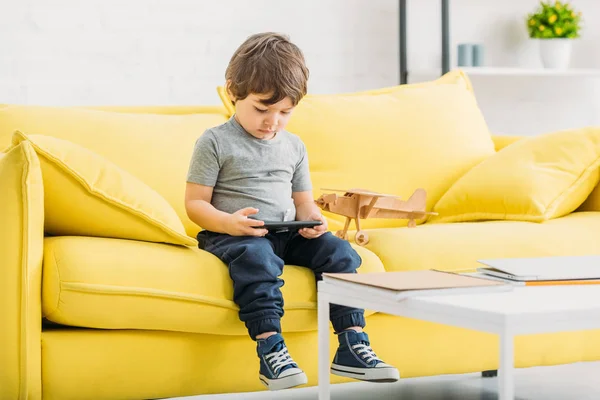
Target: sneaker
[(356, 359), (277, 369)]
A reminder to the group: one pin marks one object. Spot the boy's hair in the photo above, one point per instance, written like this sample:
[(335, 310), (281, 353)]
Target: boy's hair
[(268, 63)]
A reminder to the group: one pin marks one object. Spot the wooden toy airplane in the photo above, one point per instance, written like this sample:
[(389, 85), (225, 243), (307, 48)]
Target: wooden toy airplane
[(359, 203)]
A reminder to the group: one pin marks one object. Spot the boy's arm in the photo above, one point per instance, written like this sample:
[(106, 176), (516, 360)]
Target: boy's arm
[(200, 211), (305, 205), (306, 209), (204, 214)]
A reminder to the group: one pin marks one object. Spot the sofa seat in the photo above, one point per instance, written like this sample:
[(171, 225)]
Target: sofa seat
[(124, 284), (458, 246)]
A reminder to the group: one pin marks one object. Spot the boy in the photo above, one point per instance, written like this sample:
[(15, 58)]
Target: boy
[(250, 170)]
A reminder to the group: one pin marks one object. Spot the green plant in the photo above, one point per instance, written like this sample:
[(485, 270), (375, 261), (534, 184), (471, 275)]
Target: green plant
[(554, 20)]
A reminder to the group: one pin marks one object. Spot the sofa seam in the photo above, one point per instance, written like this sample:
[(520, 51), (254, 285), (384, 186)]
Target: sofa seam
[(90, 288), (484, 216), (23, 353), (59, 291)]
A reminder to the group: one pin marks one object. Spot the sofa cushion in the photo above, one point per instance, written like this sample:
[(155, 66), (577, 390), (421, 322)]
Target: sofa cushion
[(21, 245), (154, 148), (458, 246), (534, 179), (502, 141), (87, 195), (124, 284), (592, 203), (393, 140)]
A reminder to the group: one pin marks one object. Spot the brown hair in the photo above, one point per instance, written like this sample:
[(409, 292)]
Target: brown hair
[(267, 63)]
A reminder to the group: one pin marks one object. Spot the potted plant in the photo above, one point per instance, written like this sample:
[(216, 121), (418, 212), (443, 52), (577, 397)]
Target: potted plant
[(554, 25)]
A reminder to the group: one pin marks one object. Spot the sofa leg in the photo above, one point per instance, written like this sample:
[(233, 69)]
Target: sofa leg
[(490, 374)]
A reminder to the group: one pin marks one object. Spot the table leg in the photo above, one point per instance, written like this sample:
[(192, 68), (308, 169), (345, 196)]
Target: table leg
[(323, 336), (506, 383)]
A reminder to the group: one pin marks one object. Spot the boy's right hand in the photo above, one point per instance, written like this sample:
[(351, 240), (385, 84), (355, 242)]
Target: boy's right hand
[(239, 224)]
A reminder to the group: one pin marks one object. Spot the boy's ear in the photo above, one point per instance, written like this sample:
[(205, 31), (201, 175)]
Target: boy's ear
[(228, 90)]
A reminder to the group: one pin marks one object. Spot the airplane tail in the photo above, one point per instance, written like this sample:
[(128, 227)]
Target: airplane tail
[(417, 201)]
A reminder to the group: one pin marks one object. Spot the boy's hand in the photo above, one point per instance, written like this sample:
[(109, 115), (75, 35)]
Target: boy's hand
[(313, 233), (239, 224)]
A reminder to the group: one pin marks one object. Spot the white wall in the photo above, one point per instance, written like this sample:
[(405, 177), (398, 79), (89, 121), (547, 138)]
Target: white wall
[(176, 51), (511, 105), (499, 26), (64, 52)]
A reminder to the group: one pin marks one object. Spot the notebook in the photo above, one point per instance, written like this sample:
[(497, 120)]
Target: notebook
[(537, 283), (403, 284), (543, 268)]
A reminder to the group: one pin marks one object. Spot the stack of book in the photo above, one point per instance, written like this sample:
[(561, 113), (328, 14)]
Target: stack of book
[(543, 271)]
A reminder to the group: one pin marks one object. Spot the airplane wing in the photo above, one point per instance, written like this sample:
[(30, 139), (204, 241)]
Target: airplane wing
[(362, 192), (407, 210)]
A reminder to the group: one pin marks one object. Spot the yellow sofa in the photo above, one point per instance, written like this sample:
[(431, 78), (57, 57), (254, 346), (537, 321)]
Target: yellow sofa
[(103, 294)]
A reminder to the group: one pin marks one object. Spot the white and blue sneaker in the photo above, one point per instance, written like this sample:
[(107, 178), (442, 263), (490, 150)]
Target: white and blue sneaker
[(277, 369), (356, 359)]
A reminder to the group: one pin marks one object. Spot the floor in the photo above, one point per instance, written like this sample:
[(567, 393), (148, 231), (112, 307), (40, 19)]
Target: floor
[(579, 381)]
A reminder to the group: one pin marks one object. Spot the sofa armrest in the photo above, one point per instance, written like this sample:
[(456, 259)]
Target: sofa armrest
[(21, 249)]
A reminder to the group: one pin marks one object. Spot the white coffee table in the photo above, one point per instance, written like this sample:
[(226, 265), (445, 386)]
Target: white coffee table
[(525, 310)]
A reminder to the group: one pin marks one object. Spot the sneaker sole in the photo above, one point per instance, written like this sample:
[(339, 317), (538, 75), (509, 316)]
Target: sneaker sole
[(285, 382), (380, 375)]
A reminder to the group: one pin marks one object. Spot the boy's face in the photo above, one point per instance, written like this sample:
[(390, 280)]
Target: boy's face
[(260, 120)]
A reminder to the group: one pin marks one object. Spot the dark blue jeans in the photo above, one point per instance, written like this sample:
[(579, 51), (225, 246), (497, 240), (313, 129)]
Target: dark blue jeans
[(256, 263)]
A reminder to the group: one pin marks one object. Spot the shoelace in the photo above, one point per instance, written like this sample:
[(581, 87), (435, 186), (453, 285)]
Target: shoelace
[(279, 359), (366, 352)]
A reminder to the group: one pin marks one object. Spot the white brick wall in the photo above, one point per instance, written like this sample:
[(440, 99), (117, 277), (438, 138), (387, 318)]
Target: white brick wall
[(64, 52), (176, 51)]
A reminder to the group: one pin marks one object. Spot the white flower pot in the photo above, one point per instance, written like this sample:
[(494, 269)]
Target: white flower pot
[(556, 53)]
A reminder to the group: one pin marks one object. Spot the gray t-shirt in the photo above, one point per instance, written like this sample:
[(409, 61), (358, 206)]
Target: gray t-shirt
[(250, 172)]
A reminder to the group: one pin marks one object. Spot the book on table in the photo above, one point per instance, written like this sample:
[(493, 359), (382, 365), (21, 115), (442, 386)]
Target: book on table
[(532, 271), (403, 284)]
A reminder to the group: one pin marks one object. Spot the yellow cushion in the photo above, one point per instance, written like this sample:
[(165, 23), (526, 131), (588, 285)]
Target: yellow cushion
[(154, 148), (163, 110), (21, 243), (87, 195), (534, 179), (592, 203), (502, 141), (394, 140), (457, 247), (160, 287)]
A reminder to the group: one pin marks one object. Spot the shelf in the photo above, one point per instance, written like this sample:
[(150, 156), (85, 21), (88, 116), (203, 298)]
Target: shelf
[(518, 72), (425, 75)]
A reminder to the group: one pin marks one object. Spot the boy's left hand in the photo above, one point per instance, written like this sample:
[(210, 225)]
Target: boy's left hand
[(313, 233)]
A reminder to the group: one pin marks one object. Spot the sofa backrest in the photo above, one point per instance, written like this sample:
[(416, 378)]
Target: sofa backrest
[(152, 143), (393, 140)]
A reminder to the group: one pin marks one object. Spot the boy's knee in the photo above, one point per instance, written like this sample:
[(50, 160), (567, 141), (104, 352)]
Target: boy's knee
[(346, 258), (354, 259)]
